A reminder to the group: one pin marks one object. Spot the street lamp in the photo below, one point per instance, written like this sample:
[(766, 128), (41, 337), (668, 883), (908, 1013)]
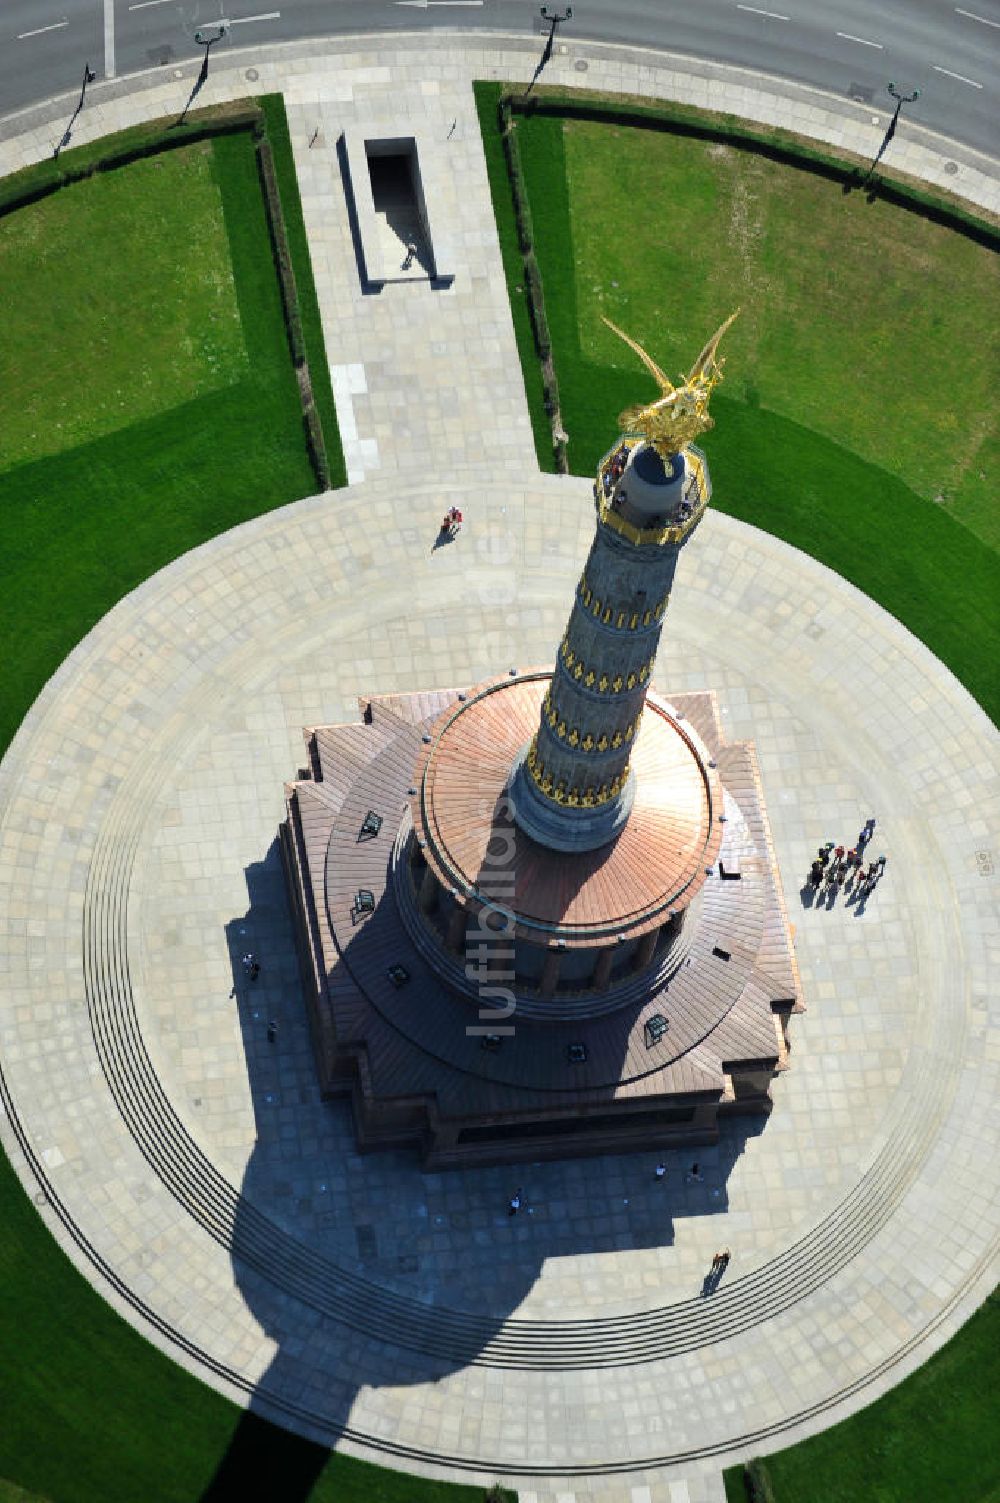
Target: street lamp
[(554, 21), (204, 40), (900, 99), (89, 76)]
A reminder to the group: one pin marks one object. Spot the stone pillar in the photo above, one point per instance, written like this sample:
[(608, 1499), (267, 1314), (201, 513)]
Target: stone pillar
[(428, 894), (645, 950), (550, 973), (455, 939), (602, 970)]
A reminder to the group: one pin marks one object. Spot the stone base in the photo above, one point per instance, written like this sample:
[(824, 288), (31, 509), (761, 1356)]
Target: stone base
[(562, 829)]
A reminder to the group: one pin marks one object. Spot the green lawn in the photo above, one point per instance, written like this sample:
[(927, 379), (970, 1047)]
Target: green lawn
[(930, 1439), (124, 302), (816, 440)]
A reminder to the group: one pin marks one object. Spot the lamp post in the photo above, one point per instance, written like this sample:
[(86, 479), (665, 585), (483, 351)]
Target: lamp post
[(554, 20), (204, 40), (900, 99)]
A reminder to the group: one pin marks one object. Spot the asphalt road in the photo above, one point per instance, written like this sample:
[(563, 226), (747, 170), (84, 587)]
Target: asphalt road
[(950, 53)]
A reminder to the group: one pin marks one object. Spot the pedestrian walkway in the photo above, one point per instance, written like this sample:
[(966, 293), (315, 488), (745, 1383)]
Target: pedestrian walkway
[(178, 1150)]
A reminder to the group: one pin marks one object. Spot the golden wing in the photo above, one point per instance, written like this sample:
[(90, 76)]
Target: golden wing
[(665, 385), (707, 356)]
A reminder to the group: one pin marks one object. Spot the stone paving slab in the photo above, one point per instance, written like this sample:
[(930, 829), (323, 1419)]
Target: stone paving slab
[(168, 735)]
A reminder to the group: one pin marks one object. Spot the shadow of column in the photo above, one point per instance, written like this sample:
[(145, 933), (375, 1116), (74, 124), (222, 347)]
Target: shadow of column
[(322, 1234)]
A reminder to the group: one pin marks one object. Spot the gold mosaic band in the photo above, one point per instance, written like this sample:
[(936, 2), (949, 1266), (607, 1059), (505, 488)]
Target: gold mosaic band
[(609, 615), (621, 683), (590, 797), (586, 743)]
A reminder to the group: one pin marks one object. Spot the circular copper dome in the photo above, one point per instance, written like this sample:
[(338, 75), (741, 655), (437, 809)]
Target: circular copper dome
[(654, 867)]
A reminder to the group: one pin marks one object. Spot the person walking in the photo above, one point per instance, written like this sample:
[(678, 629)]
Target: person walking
[(866, 834), (816, 873), (272, 1031), (694, 1175), (514, 1204), (823, 854), (660, 1171), (411, 251)]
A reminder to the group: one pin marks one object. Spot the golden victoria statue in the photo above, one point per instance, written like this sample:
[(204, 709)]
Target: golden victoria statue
[(681, 413)]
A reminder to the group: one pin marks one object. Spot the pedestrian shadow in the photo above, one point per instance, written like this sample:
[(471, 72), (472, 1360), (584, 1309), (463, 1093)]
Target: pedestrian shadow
[(444, 537), (711, 1282)]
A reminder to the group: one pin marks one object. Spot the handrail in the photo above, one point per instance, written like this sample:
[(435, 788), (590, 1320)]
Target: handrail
[(669, 533)]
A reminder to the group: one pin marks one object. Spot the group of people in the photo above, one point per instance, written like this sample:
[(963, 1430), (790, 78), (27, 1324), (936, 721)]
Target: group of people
[(835, 867), (615, 469), (452, 521)]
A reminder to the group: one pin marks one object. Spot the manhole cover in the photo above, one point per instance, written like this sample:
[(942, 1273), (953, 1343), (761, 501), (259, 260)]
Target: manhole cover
[(251, 75), (859, 92), (581, 65), (951, 168)]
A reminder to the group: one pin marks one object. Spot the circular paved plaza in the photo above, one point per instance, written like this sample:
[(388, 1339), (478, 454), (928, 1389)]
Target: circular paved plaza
[(189, 1168)]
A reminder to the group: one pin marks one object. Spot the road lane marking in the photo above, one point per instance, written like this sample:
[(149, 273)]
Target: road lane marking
[(145, 4), (971, 16), (109, 38), (849, 38), (271, 15), (23, 36), (960, 76), (423, 4), (772, 15)]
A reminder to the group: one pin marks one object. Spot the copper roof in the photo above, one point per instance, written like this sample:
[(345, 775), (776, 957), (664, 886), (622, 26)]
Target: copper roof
[(655, 865)]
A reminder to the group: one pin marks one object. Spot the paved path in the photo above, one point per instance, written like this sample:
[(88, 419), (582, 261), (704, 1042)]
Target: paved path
[(185, 1162)]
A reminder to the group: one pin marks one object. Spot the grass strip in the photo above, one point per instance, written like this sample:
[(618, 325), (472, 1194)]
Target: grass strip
[(773, 141), (923, 1441)]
